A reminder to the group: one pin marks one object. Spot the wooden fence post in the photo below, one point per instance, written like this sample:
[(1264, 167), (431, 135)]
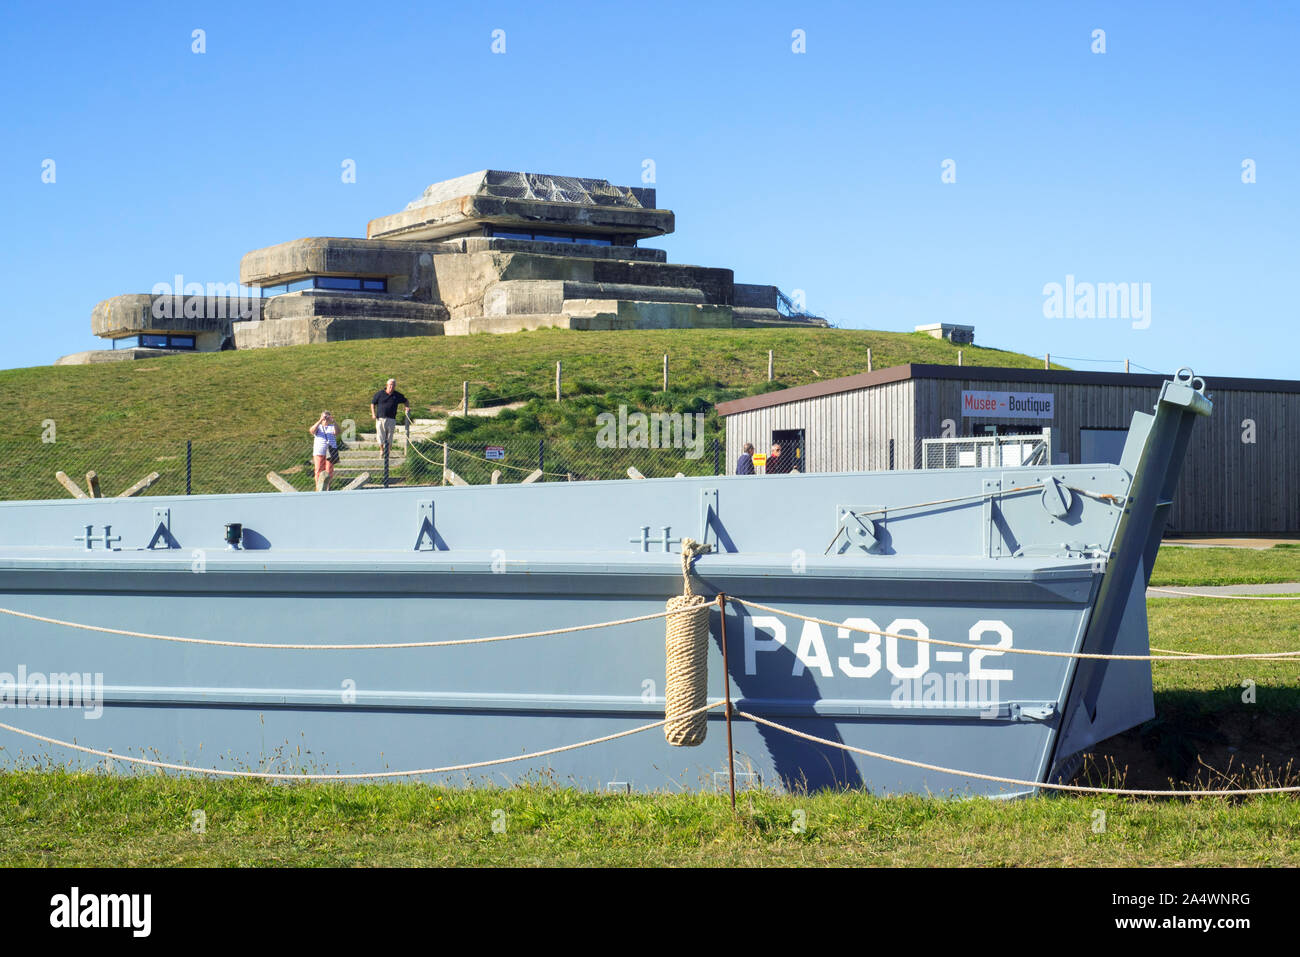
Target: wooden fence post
[(69, 484)]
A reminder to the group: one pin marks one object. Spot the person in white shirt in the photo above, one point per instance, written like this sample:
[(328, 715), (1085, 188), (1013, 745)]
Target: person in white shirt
[(324, 450)]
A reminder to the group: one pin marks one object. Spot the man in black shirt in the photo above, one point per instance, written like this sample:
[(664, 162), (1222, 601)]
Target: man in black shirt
[(383, 407)]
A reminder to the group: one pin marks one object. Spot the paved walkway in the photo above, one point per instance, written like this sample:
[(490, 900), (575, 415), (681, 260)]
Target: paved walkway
[(1249, 542), (1279, 588)]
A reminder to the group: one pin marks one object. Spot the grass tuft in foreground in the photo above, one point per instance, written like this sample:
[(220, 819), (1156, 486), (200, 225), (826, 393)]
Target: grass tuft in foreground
[(67, 819)]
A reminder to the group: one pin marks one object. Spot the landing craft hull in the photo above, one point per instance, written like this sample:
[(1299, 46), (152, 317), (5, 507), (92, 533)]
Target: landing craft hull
[(1006, 561)]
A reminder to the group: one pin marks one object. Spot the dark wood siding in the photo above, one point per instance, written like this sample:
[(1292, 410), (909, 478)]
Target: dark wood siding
[(1228, 484)]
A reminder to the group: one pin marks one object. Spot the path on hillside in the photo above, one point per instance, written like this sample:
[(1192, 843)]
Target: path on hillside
[(1176, 591), (1256, 543)]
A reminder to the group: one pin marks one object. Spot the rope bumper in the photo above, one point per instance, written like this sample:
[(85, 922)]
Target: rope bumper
[(687, 659)]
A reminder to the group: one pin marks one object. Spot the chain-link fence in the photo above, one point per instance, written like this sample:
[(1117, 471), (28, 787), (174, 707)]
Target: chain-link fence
[(39, 470), (212, 466), (553, 460), (35, 470)]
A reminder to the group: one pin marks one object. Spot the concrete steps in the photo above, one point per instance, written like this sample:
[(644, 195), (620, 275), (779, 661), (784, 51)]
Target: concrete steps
[(421, 429), (375, 481), (372, 464), (363, 454)]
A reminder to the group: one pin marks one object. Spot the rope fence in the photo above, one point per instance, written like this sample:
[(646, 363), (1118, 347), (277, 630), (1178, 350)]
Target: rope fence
[(687, 610), (341, 647), (679, 717), (415, 447), (358, 776), (494, 464), (1124, 362)]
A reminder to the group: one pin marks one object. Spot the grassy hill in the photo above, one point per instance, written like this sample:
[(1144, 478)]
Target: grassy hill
[(249, 411)]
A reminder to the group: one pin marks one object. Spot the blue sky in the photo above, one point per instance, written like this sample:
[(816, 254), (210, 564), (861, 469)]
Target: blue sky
[(818, 171)]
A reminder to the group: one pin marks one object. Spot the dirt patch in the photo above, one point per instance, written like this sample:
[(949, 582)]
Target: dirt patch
[(1252, 748)]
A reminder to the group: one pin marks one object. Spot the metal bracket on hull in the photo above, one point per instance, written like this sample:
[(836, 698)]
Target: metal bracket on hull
[(712, 532), (645, 541), (1056, 498), (162, 530), (426, 539), (1021, 712), (108, 539), (1094, 553), (993, 538), (709, 516), (857, 530)]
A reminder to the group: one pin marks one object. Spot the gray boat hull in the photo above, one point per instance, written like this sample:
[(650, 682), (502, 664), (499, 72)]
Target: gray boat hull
[(998, 566)]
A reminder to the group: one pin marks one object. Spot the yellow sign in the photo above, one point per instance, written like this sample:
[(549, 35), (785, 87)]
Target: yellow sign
[(760, 459)]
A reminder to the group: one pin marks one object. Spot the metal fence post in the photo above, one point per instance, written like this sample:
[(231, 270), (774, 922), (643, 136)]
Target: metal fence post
[(189, 461), (716, 449), (541, 455), (385, 465)]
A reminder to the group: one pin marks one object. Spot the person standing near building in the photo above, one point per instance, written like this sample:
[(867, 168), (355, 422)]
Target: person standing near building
[(776, 462), (745, 464), (324, 450), (383, 409)]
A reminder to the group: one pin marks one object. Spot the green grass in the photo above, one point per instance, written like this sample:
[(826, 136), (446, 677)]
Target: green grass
[(248, 412), (71, 820), (570, 432), (1226, 566), (1225, 626)]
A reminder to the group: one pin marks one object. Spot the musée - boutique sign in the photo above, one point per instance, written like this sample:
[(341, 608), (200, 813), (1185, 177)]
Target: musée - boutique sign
[(1008, 405)]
